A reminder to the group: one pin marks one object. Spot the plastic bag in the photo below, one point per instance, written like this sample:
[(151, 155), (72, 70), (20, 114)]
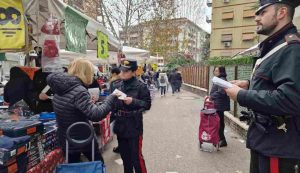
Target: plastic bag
[(51, 38), (21, 108)]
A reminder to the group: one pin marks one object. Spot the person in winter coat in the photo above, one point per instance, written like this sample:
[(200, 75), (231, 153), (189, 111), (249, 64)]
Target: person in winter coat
[(19, 87), (163, 82), (178, 81), (72, 103), (173, 81), (43, 101), (222, 102), (115, 72), (115, 78)]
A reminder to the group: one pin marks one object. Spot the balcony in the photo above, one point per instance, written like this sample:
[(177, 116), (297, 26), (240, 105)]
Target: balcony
[(208, 19), (209, 3)]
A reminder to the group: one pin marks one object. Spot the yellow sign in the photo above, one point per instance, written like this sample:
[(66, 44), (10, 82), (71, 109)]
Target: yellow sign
[(12, 25), (154, 67), (102, 45), (139, 71)]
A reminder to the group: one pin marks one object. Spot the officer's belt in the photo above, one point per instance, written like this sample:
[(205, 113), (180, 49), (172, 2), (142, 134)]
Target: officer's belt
[(126, 113), (265, 121)]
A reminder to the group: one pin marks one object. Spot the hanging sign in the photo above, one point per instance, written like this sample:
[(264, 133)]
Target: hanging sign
[(102, 45), (12, 25)]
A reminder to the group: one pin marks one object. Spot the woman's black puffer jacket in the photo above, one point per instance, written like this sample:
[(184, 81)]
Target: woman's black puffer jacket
[(72, 103), (219, 96)]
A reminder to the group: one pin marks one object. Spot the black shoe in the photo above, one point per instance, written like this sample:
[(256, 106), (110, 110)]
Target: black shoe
[(116, 150), (223, 143)]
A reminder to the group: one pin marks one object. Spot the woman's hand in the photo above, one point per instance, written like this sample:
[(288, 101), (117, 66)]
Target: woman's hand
[(43, 96)]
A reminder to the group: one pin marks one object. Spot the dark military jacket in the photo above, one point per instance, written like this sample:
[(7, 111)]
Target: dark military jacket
[(275, 91), (128, 125)]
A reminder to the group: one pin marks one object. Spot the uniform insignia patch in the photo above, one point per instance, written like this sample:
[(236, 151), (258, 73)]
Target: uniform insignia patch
[(292, 38)]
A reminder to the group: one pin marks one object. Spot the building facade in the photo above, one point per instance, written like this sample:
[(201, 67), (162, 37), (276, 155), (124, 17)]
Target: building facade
[(88, 7), (297, 18), (177, 36), (233, 27)]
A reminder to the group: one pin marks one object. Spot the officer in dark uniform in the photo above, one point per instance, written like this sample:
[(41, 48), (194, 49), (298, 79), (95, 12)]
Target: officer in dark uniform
[(129, 117), (273, 93)]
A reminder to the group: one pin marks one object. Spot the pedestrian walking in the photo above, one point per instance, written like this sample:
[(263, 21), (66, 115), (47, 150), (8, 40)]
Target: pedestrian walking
[(163, 82), (173, 79), (221, 101), (272, 95), (129, 120), (178, 81), (43, 100)]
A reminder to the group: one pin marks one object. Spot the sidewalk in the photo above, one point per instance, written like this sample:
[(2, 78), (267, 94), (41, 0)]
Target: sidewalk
[(171, 141)]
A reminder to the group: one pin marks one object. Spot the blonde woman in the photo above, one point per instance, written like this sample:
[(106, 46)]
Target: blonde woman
[(72, 103)]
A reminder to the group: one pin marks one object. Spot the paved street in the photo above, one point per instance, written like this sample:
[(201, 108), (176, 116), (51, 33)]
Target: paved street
[(171, 141)]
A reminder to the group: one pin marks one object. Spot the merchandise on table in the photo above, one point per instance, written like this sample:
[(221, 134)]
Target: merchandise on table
[(45, 116), (21, 128), (10, 148), (36, 152), (19, 165), (49, 163), (28, 143), (49, 139)]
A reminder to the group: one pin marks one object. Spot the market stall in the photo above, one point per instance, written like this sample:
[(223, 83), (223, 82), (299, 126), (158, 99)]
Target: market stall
[(28, 141), (138, 54)]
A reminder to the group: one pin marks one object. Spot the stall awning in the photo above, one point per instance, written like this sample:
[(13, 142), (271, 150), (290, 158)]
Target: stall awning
[(67, 57), (41, 10), (138, 54)]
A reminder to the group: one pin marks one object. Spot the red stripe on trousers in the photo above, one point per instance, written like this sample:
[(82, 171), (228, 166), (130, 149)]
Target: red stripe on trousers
[(141, 158), (274, 165)]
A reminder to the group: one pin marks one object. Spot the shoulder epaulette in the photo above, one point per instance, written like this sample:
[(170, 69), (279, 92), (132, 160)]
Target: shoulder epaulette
[(292, 38)]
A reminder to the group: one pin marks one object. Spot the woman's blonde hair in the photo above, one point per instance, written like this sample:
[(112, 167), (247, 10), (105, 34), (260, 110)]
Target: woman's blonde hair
[(83, 69)]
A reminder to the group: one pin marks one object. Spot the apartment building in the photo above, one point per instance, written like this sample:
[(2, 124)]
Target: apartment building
[(233, 27), (297, 18), (186, 37), (88, 7)]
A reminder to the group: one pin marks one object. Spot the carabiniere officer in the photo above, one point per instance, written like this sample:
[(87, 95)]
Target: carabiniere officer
[(129, 117), (272, 95)]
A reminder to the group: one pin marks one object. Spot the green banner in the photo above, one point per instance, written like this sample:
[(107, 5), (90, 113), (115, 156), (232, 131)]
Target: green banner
[(2, 57), (75, 31), (102, 45)]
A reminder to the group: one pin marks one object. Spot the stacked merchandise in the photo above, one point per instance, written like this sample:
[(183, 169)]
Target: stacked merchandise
[(35, 153), (51, 156), (49, 139), (17, 144), (13, 154), (49, 163)]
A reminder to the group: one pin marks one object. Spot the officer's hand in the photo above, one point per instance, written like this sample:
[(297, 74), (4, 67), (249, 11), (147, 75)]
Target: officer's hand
[(233, 92), (43, 96), (241, 83), (128, 100)]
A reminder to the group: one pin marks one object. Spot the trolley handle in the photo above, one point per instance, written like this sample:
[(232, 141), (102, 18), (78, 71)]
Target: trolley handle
[(208, 102), (80, 142)]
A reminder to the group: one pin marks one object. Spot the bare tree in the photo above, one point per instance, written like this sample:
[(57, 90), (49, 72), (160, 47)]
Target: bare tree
[(161, 33), (126, 13)]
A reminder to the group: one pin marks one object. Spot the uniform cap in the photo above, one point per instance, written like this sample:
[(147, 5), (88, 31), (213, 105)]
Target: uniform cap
[(265, 3), (128, 64)]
